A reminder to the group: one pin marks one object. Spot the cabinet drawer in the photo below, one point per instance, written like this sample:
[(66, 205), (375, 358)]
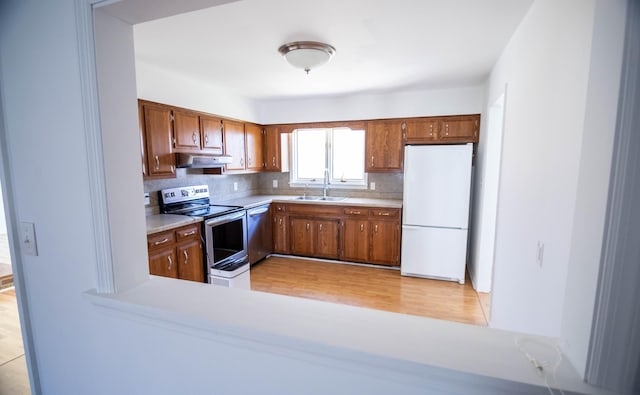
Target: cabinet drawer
[(356, 212), (161, 239), (187, 232), (315, 209), (384, 212)]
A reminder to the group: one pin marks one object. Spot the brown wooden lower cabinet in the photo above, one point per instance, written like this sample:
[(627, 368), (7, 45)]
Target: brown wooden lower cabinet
[(316, 238), (357, 234), (177, 253)]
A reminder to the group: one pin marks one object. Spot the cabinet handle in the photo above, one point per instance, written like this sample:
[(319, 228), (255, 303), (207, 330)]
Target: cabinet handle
[(206, 139), (320, 227), (157, 243), (170, 262), (241, 162), (193, 137), (186, 256), (386, 213), (273, 161), (372, 160), (431, 130), (157, 162), (193, 232), (173, 169), (376, 229), (446, 129), (354, 212), (307, 227), (249, 161), (280, 221), (361, 227)]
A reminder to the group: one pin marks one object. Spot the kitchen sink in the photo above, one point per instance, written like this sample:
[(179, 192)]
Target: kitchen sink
[(321, 198)]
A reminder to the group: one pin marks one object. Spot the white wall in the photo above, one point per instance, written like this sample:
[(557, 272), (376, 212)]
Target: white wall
[(485, 198), (546, 66), (462, 100), (593, 183), (171, 88)]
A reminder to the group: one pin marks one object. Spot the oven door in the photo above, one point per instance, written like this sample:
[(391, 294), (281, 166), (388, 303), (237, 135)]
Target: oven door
[(226, 238)]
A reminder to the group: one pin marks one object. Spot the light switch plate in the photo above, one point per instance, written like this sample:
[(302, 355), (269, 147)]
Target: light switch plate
[(372, 186), (235, 186), (28, 238), (275, 183), (146, 199)]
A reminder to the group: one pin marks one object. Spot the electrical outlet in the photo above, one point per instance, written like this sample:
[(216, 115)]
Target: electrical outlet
[(28, 238), (146, 199), (235, 186), (372, 186), (540, 254), (275, 183)]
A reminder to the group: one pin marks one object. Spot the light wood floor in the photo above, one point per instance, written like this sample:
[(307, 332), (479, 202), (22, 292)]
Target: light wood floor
[(374, 288), (13, 367)]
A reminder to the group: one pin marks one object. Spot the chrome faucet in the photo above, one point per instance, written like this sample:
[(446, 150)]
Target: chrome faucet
[(325, 185)]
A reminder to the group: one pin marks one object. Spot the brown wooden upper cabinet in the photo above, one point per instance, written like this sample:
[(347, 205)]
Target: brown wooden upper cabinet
[(422, 130), (157, 136), (254, 142), (234, 144), (460, 128), (272, 158), (211, 129), (443, 130), (186, 131), (384, 145)]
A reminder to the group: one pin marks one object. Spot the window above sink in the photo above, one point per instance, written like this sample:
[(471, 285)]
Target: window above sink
[(340, 150)]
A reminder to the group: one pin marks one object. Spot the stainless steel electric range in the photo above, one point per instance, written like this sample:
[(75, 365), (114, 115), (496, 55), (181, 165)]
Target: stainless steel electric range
[(224, 230)]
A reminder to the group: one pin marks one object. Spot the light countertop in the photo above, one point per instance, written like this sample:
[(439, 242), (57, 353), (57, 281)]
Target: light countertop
[(161, 222), (258, 200)]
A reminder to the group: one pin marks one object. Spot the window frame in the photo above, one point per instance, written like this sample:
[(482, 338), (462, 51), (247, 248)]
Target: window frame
[(334, 183)]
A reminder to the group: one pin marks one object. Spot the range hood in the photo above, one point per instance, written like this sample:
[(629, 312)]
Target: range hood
[(201, 161)]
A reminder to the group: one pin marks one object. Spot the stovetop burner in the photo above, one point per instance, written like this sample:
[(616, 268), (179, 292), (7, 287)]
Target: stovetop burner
[(193, 201)]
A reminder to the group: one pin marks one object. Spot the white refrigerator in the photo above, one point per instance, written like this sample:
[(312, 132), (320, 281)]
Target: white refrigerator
[(435, 216)]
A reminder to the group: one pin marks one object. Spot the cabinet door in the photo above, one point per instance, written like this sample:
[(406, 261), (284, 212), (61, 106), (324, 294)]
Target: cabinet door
[(384, 146), (234, 144), (355, 240), (302, 236), (158, 134), (211, 135), (190, 263), (422, 130), (272, 149), (327, 240), (162, 262), (462, 129), (254, 140), (186, 131), (280, 234), (385, 242)]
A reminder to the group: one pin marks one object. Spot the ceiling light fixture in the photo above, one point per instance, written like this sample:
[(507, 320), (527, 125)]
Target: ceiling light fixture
[(307, 55)]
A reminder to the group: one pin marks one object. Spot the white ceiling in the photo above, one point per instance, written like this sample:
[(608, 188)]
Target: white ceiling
[(381, 46)]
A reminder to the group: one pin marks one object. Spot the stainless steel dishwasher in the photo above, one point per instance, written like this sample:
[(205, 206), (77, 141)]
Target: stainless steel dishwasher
[(258, 233)]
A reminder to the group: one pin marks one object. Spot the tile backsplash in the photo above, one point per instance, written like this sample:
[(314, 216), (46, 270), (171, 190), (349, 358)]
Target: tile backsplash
[(221, 187)]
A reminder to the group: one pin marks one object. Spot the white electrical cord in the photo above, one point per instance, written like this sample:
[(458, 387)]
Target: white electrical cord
[(541, 367)]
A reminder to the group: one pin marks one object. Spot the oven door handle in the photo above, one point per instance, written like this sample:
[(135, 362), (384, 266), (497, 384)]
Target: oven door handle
[(224, 218)]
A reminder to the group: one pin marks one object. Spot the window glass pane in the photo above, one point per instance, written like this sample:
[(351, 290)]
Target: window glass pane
[(311, 155), (348, 154)]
